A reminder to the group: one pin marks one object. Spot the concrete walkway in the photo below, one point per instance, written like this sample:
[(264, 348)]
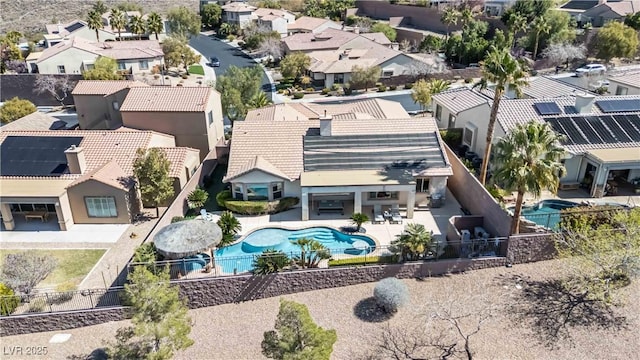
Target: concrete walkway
[(209, 73)]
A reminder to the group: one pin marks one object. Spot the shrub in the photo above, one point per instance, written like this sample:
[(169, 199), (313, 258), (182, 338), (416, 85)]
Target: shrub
[(24, 270), (197, 198), (468, 80), (378, 84), (65, 292), (363, 260), (231, 37), (335, 87), (382, 88), (309, 89), (8, 301), (347, 89), (230, 227), (298, 95), (270, 261), (393, 87), (37, 305), (408, 85), (391, 294), (285, 203), (222, 197), (453, 137), (176, 219), (224, 200), (325, 91)]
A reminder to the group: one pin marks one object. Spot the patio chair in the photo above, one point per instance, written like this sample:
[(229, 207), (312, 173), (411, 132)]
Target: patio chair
[(395, 214), (378, 218)]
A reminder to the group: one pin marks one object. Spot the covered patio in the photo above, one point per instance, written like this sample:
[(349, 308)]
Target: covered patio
[(612, 171)]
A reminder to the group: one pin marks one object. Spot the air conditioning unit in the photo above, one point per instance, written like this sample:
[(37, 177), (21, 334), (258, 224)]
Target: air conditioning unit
[(465, 236)]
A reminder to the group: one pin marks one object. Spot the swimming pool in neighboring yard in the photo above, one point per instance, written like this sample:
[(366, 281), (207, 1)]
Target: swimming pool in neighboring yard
[(546, 212)]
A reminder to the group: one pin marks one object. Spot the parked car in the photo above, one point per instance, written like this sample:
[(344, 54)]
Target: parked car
[(591, 69), (215, 62)]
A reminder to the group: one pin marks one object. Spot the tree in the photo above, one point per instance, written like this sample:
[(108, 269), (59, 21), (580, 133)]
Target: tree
[(311, 253), (387, 30), (449, 17), (225, 29), (529, 9), (560, 31), (633, 21), (137, 26), (155, 24), (296, 336), (197, 198), (12, 37), (151, 169), (183, 21), (423, 90), (501, 69), (177, 53), (118, 21), (99, 7), (465, 15), (259, 100), (616, 40), (431, 43), (527, 160), (564, 53), (94, 22), (272, 47), (539, 25), (327, 9), (414, 243), (363, 77), (516, 24), (160, 319), (295, 65), (104, 68), (358, 219), (15, 108), (57, 86), (230, 227), (270, 261), (24, 270), (237, 87), (129, 6), (270, 4), (210, 15)]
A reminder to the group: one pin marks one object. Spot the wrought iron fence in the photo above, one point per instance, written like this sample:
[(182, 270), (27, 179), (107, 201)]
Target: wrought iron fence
[(558, 220), (61, 301)]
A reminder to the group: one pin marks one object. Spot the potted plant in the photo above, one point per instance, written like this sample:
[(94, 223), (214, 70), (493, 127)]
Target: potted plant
[(636, 185)]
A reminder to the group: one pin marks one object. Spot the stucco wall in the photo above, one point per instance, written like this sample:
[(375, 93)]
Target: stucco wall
[(94, 188), (573, 166), (631, 90), (96, 112), (71, 58)]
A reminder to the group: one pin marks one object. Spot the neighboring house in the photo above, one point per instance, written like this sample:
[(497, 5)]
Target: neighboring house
[(364, 153), (625, 84), (545, 87), (75, 55), (218, 2), (41, 121), (79, 177), (458, 107), (609, 10), (274, 19), (238, 13), (575, 8), (497, 7), (307, 24)]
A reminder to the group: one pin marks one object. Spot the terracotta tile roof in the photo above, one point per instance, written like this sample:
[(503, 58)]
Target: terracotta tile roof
[(340, 66), (177, 157), (261, 12), (260, 163), (460, 99), (34, 121), (378, 37), (632, 79), (545, 87), (110, 173), (238, 7), (307, 23), (171, 99), (623, 8), (119, 50), (327, 39), (281, 112), (104, 87)]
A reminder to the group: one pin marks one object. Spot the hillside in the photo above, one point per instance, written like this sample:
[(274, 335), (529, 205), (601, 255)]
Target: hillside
[(30, 16)]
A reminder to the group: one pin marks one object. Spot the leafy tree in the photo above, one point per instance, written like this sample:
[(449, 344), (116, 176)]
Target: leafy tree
[(151, 169), (17, 66), (129, 6), (391, 294), (237, 87), (118, 21), (414, 243), (99, 7), (296, 336), (501, 69), (230, 227), (465, 15), (387, 30), (210, 15), (11, 37), (9, 53), (270, 261), (616, 40), (331, 9), (270, 4), (529, 9), (358, 219), (15, 108), (155, 24), (539, 26), (183, 22), (431, 43), (177, 53), (527, 160), (449, 17), (58, 87), (160, 319), (311, 253), (560, 31), (423, 90), (564, 53), (24, 270), (364, 77), (633, 21), (137, 26), (469, 47), (197, 198), (104, 68), (94, 22), (295, 65)]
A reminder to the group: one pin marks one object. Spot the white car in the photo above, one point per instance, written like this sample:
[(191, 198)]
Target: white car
[(591, 69)]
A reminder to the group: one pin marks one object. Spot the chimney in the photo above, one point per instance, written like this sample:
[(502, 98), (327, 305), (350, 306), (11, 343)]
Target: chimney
[(75, 160), (325, 125), (584, 103)]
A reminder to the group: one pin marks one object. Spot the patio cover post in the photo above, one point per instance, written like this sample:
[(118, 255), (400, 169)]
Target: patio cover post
[(305, 205), (7, 217), (357, 201), (411, 203)]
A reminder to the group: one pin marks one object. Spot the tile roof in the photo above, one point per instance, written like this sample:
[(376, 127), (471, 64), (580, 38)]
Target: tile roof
[(461, 99), (104, 87), (388, 126), (327, 39), (171, 99), (238, 7), (631, 78), (110, 173), (623, 8), (378, 37), (260, 163), (177, 157), (273, 12), (307, 23), (34, 121), (119, 50), (545, 87)]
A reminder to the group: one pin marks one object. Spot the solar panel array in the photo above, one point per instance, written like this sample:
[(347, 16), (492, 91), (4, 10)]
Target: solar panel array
[(73, 27), (548, 108), (35, 155), (602, 129), (621, 105), (361, 152)]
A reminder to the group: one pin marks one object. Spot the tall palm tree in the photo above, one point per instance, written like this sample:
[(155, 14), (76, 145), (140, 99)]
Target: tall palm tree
[(154, 23), (94, 22), (414, 242), (503, 70), (449, 17), (528, 161), (540, 26), (118, 21), (137, 26), (516, 24)]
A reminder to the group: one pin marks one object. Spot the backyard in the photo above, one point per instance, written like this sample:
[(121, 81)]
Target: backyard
[(216, 185)]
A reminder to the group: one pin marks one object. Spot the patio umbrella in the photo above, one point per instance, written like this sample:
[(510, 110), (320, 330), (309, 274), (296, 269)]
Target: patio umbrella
[(185, 238)]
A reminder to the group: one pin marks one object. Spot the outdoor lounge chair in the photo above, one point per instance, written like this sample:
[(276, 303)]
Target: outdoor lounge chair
[(396, 218), (378, 218)]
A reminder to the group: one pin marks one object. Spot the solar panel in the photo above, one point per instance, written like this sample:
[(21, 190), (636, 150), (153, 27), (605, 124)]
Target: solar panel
[(35, 155), (627, 125), (555, 124), (587, 130), (572, 131), (622, 105), (547, 108), (616, 129), (598, 126), (73, 27)]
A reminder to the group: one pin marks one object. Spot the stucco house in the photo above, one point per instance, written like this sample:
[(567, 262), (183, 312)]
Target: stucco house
[(79, 177), (497, 7), (307, 24), (363, 154), (76, 55), (625, 84), (238, 13), (274, 19), (610, 11)]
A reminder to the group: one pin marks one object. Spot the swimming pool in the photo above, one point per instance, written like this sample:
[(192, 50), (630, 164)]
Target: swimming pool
[(235, 258), (547, 212)]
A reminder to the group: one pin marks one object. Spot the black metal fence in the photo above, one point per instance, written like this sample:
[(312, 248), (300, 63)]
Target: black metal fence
[(558, 220), (61, 301)]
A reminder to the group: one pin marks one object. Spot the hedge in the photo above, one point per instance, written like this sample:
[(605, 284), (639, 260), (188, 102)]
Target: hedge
[(363, 260), (8, 301), (224, 200)]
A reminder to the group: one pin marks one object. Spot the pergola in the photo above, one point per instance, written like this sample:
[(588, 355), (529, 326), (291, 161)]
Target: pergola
[(186, 238)]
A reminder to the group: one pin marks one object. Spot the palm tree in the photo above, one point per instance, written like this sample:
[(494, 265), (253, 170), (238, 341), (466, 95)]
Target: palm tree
[(501, 69), (230, 227), (358, 219), (154, 23), (414, 243), (137, 26), (423, 90), (94, 22), (270, 261), (260, 100), (449, 17), (540, 26), (118, 21), (311, 252), (516, 24), (528, 161)]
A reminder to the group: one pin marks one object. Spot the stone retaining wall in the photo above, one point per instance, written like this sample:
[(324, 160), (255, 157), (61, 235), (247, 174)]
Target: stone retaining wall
[(528, 248), (26, 324)]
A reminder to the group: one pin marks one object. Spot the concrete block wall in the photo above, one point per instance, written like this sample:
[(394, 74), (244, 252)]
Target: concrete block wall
[(26, 324)]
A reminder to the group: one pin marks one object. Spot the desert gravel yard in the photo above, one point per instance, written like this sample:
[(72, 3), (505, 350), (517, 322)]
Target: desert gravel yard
[(235, 331)]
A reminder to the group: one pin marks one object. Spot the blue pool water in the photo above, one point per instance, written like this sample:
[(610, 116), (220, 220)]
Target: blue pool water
[(547, 212), (236, 258)]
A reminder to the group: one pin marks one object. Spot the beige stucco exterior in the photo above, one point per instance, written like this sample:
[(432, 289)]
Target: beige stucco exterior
[(617, 88), (97, 112), (92, 188)]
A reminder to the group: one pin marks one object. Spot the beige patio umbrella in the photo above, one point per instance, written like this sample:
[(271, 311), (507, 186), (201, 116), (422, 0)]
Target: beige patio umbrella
[(186, 238)]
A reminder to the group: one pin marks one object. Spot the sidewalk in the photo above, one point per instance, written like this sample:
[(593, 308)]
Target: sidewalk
[(209, 73)]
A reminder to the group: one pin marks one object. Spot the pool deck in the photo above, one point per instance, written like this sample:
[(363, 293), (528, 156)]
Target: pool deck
[(581, 196)]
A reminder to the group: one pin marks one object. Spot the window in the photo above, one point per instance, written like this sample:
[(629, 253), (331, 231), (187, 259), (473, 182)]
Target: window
[(122, 66), (383, 195), (338, 78), (452, 121), (238, 194), (258, 192), (467, 138), (144, 64), (61, 69), (210, 117), (438, 112), (422, 185), (115, 105), (276, 188), (387, 73), (89, 67), (103, 206), (621, 90)]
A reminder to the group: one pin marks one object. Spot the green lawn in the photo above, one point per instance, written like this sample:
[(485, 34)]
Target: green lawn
[(73, 265), (196, 70)]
